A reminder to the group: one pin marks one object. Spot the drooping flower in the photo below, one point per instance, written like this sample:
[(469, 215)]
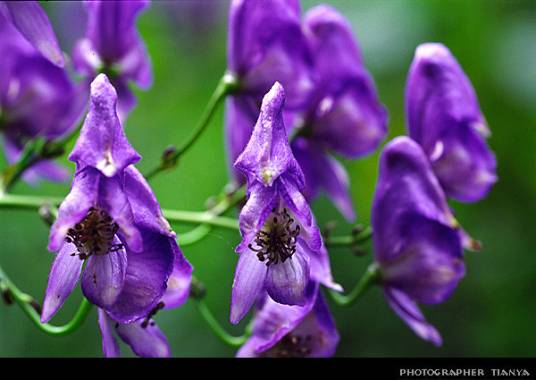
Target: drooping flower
[(143, 336), (32, 22), (113, 45), (284, 331), (111, 221), (417, 242), (444, 117), (281, 246), (266, 44), (344, 115), (37, 99)]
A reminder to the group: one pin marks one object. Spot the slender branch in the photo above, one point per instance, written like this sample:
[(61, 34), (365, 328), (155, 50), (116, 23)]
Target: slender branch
[(197, 293), (227, 84), (34, 152), (346, 240), (369, 278), (30, 307)]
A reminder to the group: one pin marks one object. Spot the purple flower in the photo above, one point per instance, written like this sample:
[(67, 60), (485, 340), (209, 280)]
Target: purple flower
[(444, 117), (344, 115), (112, 45), (37, 99), (281, 245), (293, 331), (266, 44), (32, 22), (111, 221), (143, 336), (417, 242)]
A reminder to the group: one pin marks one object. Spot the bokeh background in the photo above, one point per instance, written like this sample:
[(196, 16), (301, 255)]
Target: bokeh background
[(491, 313)]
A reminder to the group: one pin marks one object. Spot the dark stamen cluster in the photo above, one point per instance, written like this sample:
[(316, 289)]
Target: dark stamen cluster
[(94, 235), (277, 242), (292, 346)]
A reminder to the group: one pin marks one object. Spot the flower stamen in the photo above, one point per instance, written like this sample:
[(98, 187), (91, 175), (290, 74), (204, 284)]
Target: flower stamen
[(94, 235), (277, 242)]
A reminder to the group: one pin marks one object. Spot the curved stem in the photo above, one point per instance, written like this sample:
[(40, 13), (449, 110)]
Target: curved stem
[(28, 306), (233, 341), (338, 241), (35, 151), (369, 278), (227, 84), (201, 218)]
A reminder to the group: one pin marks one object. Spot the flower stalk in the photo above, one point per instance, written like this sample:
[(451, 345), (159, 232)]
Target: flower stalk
[(369, 278), (30, 307), (227, 85)]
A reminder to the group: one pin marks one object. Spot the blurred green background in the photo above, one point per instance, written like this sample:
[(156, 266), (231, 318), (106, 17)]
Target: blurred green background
[(491, 313)]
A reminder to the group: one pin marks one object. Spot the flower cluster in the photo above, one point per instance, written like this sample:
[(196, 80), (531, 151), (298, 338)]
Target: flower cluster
[(112, 224), (333, 105), (301, 95), (418, 242)]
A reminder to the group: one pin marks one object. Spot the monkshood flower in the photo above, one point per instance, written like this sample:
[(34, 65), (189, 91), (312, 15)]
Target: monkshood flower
[(281, 246), (284, 331), (37, 99), (444, 117), (266, 44), (32, 22), (113, 45), (143, 336), (344, 115), (111, 222), (417, 242)]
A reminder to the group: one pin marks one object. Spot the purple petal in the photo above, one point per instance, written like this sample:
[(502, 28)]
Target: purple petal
[(147, 342), (248, 282), (178, 284), (323, 327), (408, 311), (267, 154), (274, 320), (267, 44), (348, 117), (102, 143), (429, 264), (62, 280), (34, 25), (320, 266), (110, 348), (240, 115), (324, 172), (113, 198), (286, 282), (104, 276), (406, 183), (261, 200), (145, 283), (145, 207), (75, 206), (444, 117)]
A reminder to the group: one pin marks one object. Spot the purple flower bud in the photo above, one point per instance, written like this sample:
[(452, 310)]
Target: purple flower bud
[(417, 242), (113, 45), (281, 245), (444, 117), (293, 331), (112, 220)]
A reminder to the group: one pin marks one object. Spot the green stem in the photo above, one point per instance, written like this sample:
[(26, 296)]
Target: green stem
[(227, 84), (25, 303), (338, 241), (233, 341), (370, 277), (35, 151)]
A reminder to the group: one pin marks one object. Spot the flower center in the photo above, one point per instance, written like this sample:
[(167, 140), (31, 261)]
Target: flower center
[(94, 235), (277, 241), (292, 346)]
